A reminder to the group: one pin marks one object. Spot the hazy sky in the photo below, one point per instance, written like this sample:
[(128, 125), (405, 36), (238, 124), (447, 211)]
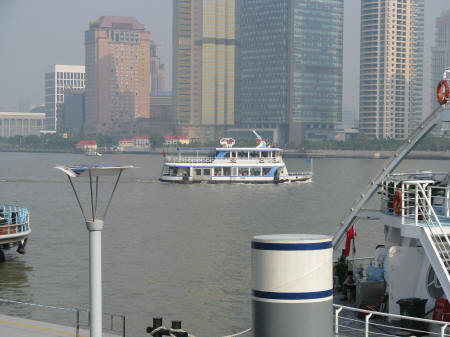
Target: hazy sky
[(35, 34)]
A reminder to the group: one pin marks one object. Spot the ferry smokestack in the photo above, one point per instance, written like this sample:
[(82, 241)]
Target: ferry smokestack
[(292, 285)]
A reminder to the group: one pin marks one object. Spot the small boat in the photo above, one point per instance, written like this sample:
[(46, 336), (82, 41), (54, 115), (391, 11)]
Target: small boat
[(14, 228), (228, 164), (91, 152)]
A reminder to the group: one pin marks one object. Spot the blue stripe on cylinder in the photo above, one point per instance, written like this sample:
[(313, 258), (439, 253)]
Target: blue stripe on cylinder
[(291, 246), (293, 296)]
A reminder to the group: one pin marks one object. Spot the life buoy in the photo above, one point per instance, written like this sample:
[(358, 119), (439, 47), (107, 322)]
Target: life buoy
[(443, 98), (397, 202)]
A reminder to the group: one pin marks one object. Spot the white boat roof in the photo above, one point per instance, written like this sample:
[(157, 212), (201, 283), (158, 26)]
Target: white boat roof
[(255, 149)]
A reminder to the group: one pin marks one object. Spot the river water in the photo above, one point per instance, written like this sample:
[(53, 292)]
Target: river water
[(177, 251)]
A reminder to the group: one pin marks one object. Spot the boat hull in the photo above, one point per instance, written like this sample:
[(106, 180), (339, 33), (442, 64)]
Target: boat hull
[(239, 180)]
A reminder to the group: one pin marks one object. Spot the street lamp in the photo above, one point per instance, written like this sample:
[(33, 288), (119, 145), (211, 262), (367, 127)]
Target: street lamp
[(94, 225)]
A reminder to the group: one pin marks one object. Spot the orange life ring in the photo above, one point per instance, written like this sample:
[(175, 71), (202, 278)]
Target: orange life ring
[(397, 202), (443, 98)]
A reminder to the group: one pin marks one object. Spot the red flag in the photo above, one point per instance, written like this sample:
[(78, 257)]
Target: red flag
[(348, 242), (164, 153)]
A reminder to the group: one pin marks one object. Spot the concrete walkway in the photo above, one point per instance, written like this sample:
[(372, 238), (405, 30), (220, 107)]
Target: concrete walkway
[(19, 327)]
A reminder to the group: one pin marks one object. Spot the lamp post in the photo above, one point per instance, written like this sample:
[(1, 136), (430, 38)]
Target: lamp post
[(94, 225)]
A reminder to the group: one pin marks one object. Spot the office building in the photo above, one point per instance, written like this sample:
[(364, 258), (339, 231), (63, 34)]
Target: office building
[(58, 78), (391, 67), (72, 121), (21, 123), (158, 74), (117, 75), (203, 67), (289, 67)]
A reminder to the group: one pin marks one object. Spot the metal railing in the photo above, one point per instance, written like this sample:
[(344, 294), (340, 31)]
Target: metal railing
[(207, 160), (194, 160), (112, 317), (366, 328), (13, 219)]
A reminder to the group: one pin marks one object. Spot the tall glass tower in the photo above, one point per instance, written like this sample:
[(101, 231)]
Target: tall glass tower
[(203, 68), (391, 67), (289, 67)]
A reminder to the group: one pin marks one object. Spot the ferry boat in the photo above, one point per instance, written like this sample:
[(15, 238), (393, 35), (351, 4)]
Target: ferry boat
[(91, 152), (228, 164), (14, 228)]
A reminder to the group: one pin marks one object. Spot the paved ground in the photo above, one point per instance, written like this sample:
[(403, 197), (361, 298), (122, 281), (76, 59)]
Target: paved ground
[(19, 327)]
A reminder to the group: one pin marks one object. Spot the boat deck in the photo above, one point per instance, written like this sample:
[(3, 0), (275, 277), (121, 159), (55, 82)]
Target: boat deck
[(20, 327)]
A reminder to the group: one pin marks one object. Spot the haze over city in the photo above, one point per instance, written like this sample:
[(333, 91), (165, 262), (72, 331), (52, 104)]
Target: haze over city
[(37, 34)]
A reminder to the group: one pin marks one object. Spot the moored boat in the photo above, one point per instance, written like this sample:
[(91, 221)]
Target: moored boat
[(228, 164), (14, 228)]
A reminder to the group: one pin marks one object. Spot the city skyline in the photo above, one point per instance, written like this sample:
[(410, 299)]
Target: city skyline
[(33, 21)]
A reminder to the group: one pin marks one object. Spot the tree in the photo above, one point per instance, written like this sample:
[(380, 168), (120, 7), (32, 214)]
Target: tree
[(157, 140)]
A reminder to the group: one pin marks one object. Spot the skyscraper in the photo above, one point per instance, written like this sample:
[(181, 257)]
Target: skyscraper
[(203, 74), (58, 78), (158, 74), (289, 67), (118, 75), (391, 67)]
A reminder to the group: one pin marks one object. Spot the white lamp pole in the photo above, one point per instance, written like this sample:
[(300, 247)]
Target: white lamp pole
[(95, 227), (95, 276)]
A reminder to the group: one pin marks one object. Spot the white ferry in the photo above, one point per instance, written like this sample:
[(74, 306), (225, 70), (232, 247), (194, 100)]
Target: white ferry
[(14, 228), (228, 164), (91, 152)]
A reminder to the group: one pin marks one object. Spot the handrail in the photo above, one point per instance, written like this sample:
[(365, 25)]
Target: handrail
[(425, 210), (369, 313), (212, 159), (76, 311)]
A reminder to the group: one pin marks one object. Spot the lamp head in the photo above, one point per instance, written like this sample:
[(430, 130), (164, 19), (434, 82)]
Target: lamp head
[(93, 172)]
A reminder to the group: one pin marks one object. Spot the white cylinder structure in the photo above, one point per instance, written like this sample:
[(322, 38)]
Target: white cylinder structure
[(95, 276), (292, 281)]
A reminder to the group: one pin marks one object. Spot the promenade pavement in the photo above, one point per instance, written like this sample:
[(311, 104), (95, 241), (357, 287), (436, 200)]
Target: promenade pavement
[(20, 327)]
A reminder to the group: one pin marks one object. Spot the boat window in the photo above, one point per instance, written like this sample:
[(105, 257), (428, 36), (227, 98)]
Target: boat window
[(173, 171), (255, 171), (218, 172), (206, 172), (227, 171), (254, 155), (227, 155), (264, 154), (243, 172), (243, 154), (197, 172), (266, 170)]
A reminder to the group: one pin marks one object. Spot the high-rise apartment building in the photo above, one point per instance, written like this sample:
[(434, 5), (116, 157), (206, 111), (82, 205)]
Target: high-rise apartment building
[(289, 67), (391, 67), (58, 78), (118, 75), (203, 67), (158, 74)]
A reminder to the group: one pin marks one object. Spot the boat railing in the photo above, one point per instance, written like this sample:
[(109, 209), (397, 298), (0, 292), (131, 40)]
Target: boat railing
[(112, 322), (194, 160), (410, 198), (373, 323), (207, 160), (13, 219)]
